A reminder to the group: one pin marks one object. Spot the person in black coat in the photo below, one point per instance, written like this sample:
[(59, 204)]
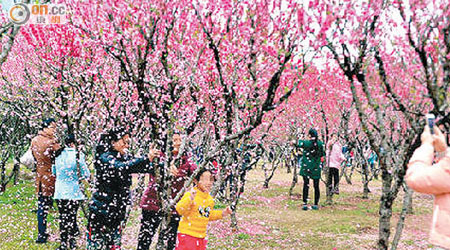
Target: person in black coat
[(113, 169)]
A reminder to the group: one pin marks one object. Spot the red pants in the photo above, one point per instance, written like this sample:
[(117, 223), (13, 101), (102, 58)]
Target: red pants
[(187, 242)]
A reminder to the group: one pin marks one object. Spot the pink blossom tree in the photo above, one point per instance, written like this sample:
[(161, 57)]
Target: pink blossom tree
[(359, 37)]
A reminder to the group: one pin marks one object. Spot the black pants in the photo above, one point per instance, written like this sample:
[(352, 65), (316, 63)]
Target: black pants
[(149, 224), (333, 178), (306, 190), (44, 204), (102, 233), (67, 220)]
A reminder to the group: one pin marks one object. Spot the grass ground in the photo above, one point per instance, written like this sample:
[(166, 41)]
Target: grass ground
[(268, 219)]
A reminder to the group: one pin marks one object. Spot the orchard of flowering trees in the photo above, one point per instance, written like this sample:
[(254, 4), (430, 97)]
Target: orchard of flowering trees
[(229, 73)]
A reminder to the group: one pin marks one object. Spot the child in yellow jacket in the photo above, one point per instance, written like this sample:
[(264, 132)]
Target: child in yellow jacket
[(196, 209)]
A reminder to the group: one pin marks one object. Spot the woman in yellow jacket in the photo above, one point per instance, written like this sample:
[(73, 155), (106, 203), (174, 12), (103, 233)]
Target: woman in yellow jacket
[(425, 177), (196, 208)]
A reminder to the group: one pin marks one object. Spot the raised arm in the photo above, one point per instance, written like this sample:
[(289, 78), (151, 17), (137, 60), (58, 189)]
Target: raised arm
[(424, 177), (135, 165)]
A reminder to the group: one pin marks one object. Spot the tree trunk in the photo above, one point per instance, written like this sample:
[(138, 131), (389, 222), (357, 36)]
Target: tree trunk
[(365, 180), (234, 196), (349, 177), (344, 173), (267, 180), (139, 189), (288, 164), (266, 175), (219, 189), (163, 231), (366, 190), (222, 177), (233, 206), (16, 170), (294, 180), (2, 176), (329, 200), (401, 221), (270, 174), (409, 209), (234, 226), (385, 212)]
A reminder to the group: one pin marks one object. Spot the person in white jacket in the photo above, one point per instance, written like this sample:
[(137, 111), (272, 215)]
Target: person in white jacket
[(335, 159)]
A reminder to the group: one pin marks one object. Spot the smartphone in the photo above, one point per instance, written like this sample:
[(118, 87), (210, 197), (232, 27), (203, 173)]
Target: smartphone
[(430, 122)]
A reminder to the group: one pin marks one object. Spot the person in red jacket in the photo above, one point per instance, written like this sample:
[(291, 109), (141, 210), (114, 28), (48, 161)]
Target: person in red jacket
[(425, 177), (151, 207)]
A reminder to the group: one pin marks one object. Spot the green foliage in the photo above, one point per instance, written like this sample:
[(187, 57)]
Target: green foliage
[(219, 205), (243, 236)]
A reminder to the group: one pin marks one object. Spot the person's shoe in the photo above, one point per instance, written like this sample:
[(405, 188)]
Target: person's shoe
[(315, 207), (304, 207), (42, 239), (336, 191)]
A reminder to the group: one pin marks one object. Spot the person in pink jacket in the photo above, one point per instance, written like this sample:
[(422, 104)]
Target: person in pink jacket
[(425, 177), (335, 158)]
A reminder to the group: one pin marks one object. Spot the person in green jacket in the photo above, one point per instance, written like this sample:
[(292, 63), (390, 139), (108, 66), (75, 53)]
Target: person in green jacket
[(313, 155)]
